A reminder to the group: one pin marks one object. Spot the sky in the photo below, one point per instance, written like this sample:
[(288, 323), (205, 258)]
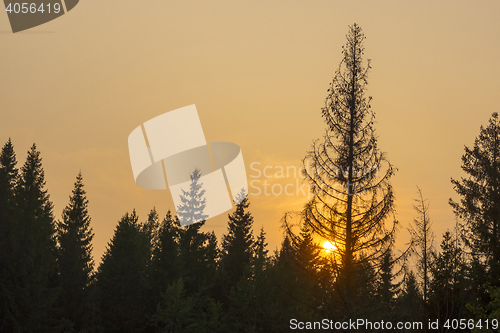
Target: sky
[(258, 72)]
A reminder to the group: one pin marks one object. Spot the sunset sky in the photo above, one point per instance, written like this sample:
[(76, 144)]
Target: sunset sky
[(258, 72)]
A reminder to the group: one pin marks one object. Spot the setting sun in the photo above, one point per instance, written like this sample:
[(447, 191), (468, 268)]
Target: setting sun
[(329, 247)]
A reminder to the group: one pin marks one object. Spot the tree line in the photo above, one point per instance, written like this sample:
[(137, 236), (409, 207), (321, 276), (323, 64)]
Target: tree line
[(156, 276)]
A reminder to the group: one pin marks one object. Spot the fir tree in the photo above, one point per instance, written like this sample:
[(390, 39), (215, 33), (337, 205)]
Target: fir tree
[(198, 256), (353, 200), (151, 227), (179, 312), (423, 239), (198, 253), (75, 256), (166, 262), (449, 290), (122, 278), (410, 303), (8, 181), (479, 206), (33, 291), (261, 258), (238, 243), (250, 299), (198, 250), (386, 288), (175, 312)]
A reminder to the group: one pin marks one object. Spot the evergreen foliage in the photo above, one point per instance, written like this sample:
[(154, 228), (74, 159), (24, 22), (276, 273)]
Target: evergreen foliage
[(29, 288), (197, 254), (175, 313), (479, 206), (8, 180), (261, 254), (387, 289), (449, 292), (166, 264), (423, 238), (122, 278), (238, 243), (410, 302), (74, 235), (353, 199)]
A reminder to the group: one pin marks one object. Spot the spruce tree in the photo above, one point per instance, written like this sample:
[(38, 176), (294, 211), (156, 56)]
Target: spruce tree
[(289, 288), (238, 243), (122, 278), (151, 227), (75, 260), (8, 181), (310, 263), (386, 289), (198, 251), (34, 291), (179, 312), (423, 238), (479, 206), (352, 198), (261, 259), (198, 255), (313, 266), (410, 303), (449, 288), (308, 253), (175, 312), (250, 296), (166, 262), (263, 297)]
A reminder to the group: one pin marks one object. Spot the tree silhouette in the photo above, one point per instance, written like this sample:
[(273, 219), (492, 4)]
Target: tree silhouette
[(410, 301), (448, 288), (8, 180), (166, 263), (423, 239), (352, 196), (74, 236), (197, 250), (122, 278), (198, 253), (479, 206), (244, 264), (387, 289), (290, 292), (237, 244), (260, 252), (33, 274)]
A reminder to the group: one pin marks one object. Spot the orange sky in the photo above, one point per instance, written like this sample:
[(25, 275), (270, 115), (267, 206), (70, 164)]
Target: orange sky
[(258, 72)]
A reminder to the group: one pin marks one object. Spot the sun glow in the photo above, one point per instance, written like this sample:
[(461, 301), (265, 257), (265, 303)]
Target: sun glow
[(329, 247)]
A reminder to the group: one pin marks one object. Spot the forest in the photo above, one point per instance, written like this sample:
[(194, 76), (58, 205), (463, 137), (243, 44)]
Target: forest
[(337, 269)]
